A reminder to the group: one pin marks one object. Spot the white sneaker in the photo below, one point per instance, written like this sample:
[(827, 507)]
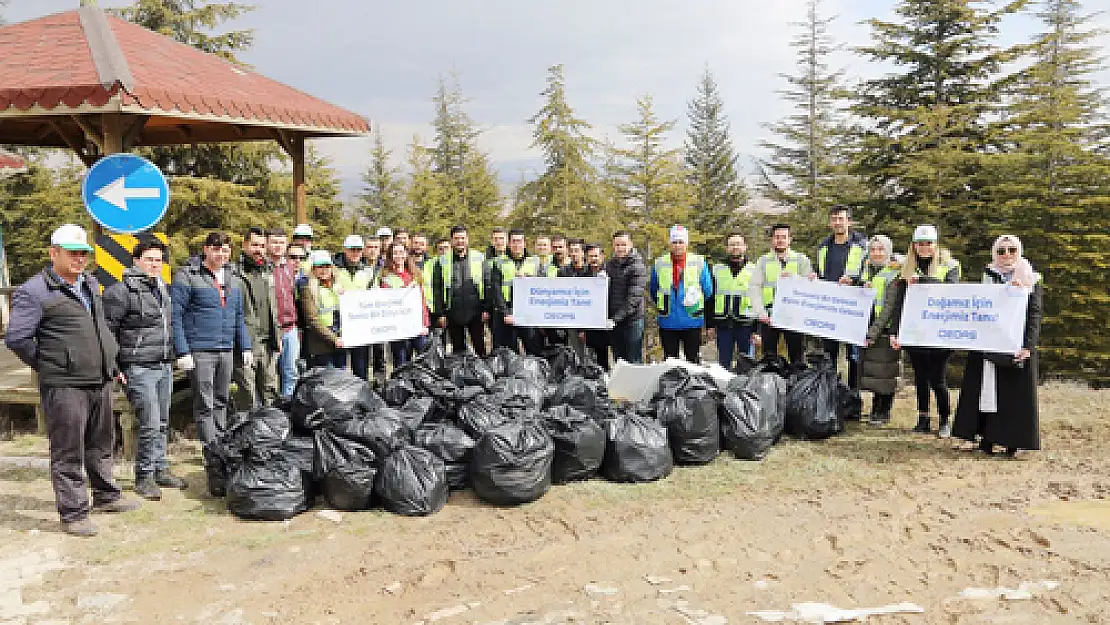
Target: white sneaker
[(945, 431)]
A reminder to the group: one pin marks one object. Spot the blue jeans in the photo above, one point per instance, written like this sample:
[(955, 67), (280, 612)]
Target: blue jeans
[(287, 362), (149, 388), (731, 341), (627, 340)]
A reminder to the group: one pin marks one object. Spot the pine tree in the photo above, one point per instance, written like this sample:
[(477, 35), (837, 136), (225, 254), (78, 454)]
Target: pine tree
[(191, 23), (925, 154), (565, 198), (426, 194), (469, 181), (710, 161), (1053, 187), (381, 200), (652, 181), (32, 205), (807, 167)]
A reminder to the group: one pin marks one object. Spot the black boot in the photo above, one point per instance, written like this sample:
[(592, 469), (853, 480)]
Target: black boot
[(986, 446), (923, 425), (146, 488)]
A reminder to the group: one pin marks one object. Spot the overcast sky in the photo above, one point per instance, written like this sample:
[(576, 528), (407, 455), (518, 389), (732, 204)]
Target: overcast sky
[(382, 60)]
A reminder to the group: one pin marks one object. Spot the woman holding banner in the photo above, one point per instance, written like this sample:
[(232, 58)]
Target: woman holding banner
[(319, 301), (881, 363), (998, 397), (926, 262), (400, 272)]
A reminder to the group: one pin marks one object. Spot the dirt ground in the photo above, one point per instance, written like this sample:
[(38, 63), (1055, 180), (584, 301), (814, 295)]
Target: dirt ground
[(872, 518)]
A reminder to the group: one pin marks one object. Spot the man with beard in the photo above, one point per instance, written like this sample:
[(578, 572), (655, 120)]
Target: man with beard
[(257, 377), (627, 279), (730, 319), (780, 262), (457, 293)]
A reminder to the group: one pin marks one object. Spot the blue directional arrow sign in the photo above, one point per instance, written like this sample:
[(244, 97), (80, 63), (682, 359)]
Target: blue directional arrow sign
[(125, 193)]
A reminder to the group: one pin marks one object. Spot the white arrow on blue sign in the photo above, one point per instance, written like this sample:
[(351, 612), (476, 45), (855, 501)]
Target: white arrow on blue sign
[(125, 193)]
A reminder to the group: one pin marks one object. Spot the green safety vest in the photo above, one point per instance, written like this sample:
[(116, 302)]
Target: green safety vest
[(393, 281), (772, 268), (854, 264), (691, 278), (327, 302), (475, 259), (509, 272), (361, 279), (879, 282), (731, 292), (940, 272)]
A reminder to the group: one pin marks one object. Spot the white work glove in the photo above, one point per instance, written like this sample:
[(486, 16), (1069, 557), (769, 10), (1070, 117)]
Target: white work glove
[(610, 324), (186, 363), (248, 358)]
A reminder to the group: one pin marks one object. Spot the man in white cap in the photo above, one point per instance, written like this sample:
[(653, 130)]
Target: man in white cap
[(302, 236), (58, 328), (353, 274), (385, 235), (679, 285)]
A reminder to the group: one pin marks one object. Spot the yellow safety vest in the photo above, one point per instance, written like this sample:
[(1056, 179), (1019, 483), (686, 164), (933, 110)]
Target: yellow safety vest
[(731, 292), (940, 272), (691, 278), (772, 268), (393, 281), (852, 267), (327, 302), (541, 267), (475, 260), (509, 272), (879, 282)]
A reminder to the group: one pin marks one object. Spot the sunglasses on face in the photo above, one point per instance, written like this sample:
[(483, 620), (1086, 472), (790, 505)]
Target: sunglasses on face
[(296, 257), (1007, 250)]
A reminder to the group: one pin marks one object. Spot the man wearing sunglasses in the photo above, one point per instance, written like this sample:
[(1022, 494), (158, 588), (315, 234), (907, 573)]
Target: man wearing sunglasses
[(285, 278)]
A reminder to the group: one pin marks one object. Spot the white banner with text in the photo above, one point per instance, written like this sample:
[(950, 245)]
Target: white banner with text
[(826, 309), (579, 303), (380, 315), (974, 317)]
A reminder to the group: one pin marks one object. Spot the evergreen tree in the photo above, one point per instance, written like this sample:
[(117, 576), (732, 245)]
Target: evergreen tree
[(652, 181), (382, 200), (426, 194), (565, 198), (32, 205), (1053, 187), (807, 167), (469, 182), (925, 154), (711, 163), (192, 21)]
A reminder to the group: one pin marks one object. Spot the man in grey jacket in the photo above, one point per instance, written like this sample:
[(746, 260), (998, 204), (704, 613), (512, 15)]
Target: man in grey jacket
[(58, 329), (138, 313)]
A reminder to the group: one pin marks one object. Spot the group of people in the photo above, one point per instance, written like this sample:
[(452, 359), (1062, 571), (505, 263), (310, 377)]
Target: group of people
[(260, 319)]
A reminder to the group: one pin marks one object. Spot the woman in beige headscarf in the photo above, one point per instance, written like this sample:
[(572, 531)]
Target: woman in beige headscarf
[(998, 397)]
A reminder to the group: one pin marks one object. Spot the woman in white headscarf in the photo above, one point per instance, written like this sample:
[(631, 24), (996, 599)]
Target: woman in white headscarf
[(998, 398), (881, 364)]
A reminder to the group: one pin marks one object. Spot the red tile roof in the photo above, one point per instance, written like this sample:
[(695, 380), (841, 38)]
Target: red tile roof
[(57, 63), (11, 162)]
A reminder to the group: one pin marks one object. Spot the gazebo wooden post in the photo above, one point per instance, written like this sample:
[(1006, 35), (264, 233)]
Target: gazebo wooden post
[(300, 193)]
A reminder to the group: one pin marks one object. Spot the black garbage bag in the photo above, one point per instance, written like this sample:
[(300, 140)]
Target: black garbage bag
[(469, 370), (218, 466), (562, 361), (503, 362), (671, 381), (301, 451), (512, 463), (532, 368), (412, 482), (432, 355), (578, 392), (451, 444), (382, 431), (531, 390), (579, 444), (267, 491), (345, 470), (480, 415), (812, 403), (770, 388), (776, 364), (744, 364), (417, 410), (519, 408), (693, 428), (260, 434), (396, 391), (747, 431), (636, 449), (849, 402), (326, 395)]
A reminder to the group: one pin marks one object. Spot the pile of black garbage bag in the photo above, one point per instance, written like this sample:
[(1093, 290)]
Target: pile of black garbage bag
[(507, 426)]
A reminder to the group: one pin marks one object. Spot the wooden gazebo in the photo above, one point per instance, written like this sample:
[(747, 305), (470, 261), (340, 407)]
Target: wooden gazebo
[(98, 84)]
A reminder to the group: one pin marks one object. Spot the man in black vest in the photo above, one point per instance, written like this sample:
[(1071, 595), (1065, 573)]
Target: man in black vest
[(58, 328)]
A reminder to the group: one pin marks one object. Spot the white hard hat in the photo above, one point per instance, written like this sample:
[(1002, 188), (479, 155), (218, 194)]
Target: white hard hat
[(71, 237), (353, 241), (319, 258), (303, 230), (385, 231)]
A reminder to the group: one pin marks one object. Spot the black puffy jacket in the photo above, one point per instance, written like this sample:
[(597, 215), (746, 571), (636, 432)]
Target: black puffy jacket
[(627, 279), (139, 321)]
